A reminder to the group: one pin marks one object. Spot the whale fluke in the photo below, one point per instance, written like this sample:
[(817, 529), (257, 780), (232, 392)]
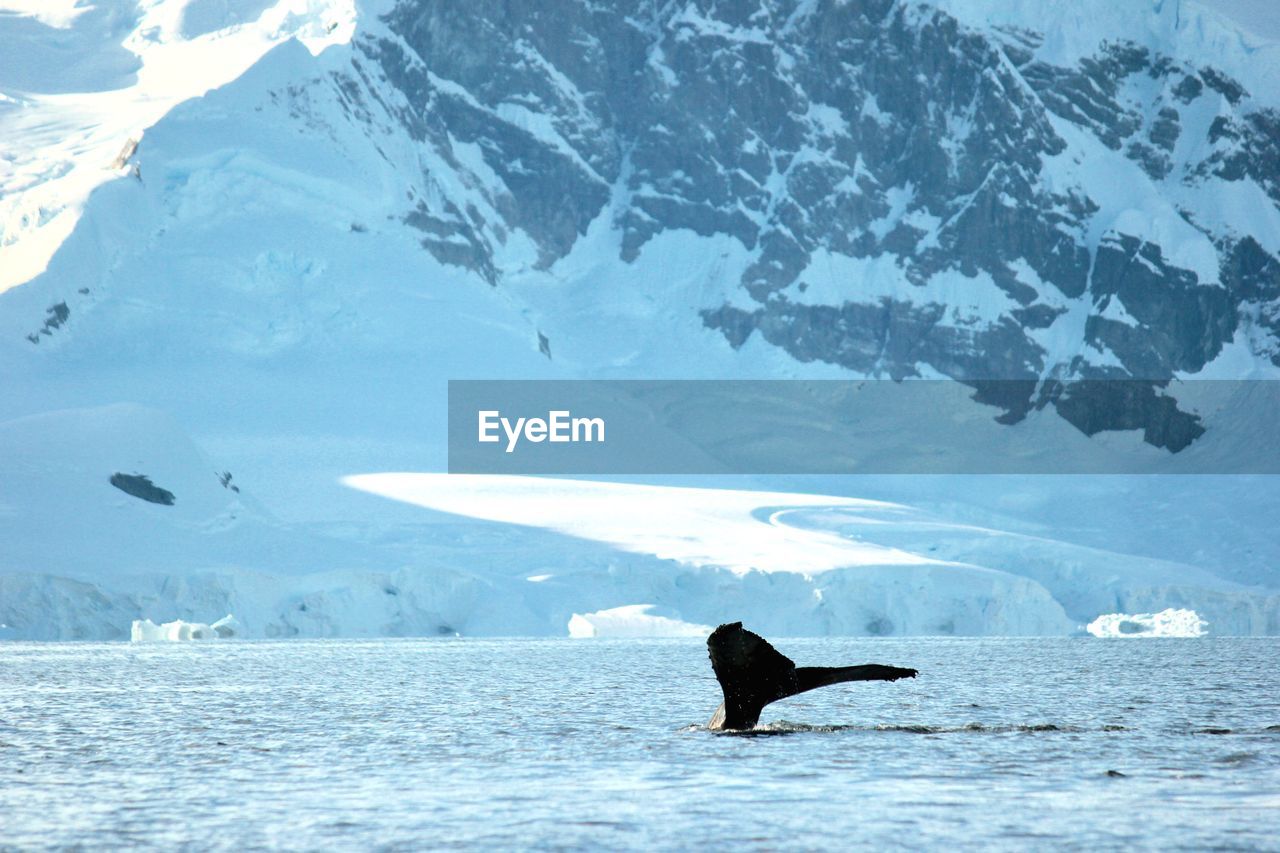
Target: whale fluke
[(753, 673)]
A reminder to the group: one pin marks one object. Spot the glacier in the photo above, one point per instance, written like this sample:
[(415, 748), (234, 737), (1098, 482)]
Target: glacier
[(325, 210)]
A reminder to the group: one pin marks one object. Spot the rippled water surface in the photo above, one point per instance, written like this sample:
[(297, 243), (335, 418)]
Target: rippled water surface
[(562, 743)]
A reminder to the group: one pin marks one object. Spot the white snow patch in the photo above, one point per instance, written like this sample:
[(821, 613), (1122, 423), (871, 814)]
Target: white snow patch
[(834, 279), (690, 22), (827, 120), (59, 14), (1129, 201), (899, 199)]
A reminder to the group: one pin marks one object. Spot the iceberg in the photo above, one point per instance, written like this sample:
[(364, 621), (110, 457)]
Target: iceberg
[(1170, 622), (146, 631)]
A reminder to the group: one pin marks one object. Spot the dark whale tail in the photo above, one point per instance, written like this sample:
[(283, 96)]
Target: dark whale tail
[(753, 673)]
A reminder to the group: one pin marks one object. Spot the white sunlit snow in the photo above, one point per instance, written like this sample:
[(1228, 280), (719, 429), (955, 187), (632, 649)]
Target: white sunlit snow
[(93, 77), (741, 531), (635, 620)]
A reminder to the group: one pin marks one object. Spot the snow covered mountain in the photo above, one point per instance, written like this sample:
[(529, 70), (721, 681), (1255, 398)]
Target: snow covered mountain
[(280, 226)]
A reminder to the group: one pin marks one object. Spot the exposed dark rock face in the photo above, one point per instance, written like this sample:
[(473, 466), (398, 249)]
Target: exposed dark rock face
[(1182, 323), (140, 486), (57, 316), (1094, 406), (866, 130)]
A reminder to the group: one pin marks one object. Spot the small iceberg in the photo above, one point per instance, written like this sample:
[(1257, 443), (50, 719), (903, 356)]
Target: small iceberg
[(1167, 623), (146, 631), (633, 620)]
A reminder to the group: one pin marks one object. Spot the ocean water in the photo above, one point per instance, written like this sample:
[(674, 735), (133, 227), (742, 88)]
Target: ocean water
[(500, 744)]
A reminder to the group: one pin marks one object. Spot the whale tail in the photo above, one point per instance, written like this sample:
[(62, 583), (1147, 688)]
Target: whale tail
[(753, 673)]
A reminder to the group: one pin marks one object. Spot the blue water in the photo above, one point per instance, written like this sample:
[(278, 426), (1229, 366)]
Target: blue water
[(576, 744)]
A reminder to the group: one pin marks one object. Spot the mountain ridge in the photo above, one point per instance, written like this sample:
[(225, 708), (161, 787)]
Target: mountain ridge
[(291, 265)]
